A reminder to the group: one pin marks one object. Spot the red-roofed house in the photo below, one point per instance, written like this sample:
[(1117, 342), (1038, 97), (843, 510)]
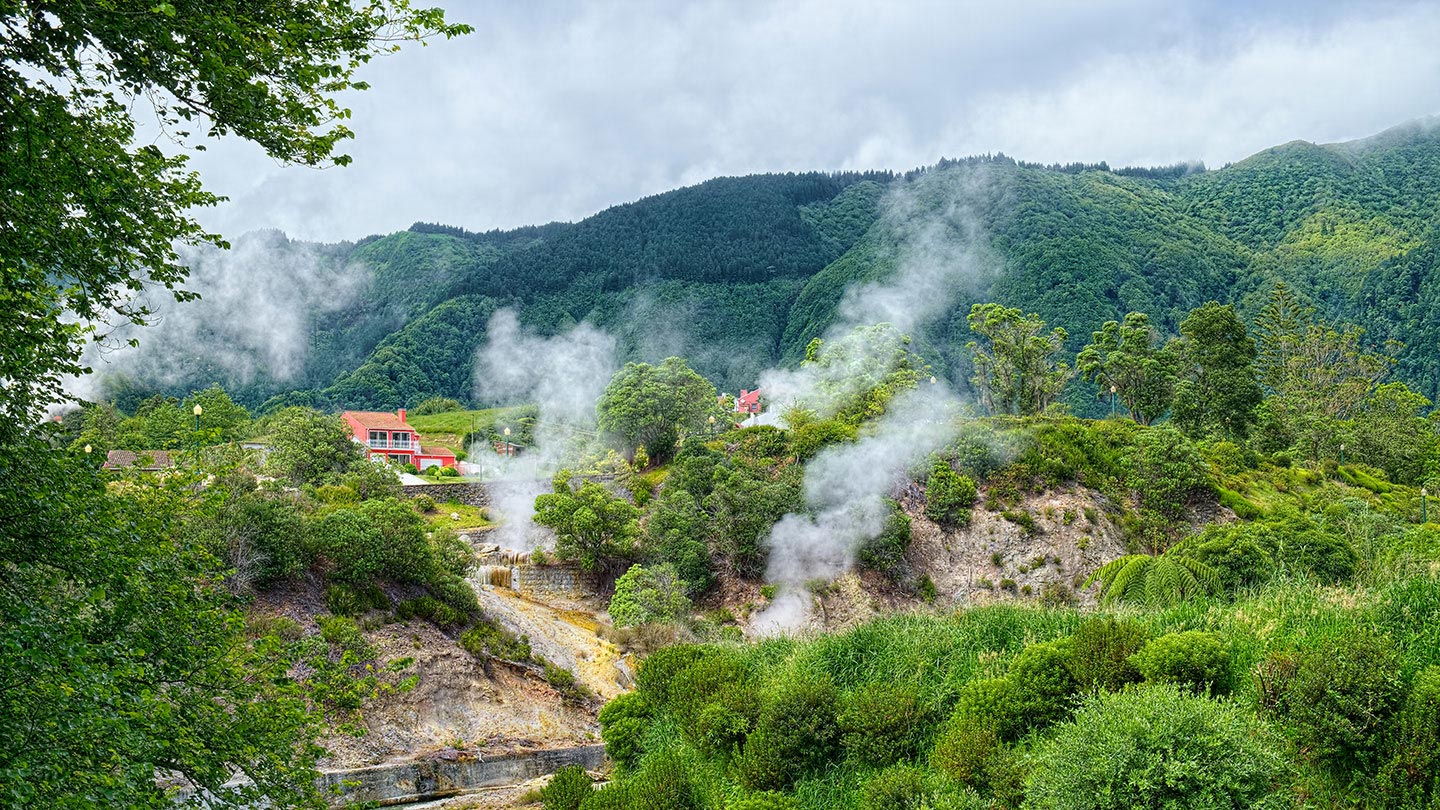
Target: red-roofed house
[(748, 401), (388, 436)]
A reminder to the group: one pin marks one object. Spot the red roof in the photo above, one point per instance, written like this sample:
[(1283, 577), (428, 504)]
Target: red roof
[(749, 397), (143, 459), (374, 420), (436, 451)]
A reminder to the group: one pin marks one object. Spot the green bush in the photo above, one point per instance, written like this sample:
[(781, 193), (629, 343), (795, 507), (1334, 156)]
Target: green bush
[(336, 495), (1164, 469), (432, 610), (347, 600), (898, 787), (345, 634), (765, 800), (723, 726), (965, 751), (881, 725), (567, 789), (1411, 776), (886, 551), (990, 702), (447, 472), (486, 639), (1194, 658), (424, 503), (1156, 746), (808, 439), (1340, 698), (705, 681), (1100, 653), (949, 496), (658, 670), (644, 595), (622, 727), (796, 734), (614, 796), (379, 538), (1233, 553), (1041, 684), (663, 783)]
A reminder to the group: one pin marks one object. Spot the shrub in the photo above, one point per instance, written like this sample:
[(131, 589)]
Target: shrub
[(425, 503), (1165, 471), (345, 634), (701, 683), (765, 800), (346, 600), (1100, 653), (567, 789), (885, 552), (949, 496), (485, 639), (1341, 696), (435, 405), (381, 538), (614, 796), (1156, 746), (644, 595), (965, 749), (430, 609), (795, 735), (658, 669), (1041, 683), (1193, 658), (454, 592), (881, 725), (407, 467), (723, 726), (926, 590), (1233, 554), (336, 495), (899, 787), (809, 438), (447, 472), (622, 727), (1411, 777), (281, 627), (663, 783), (990, 702)]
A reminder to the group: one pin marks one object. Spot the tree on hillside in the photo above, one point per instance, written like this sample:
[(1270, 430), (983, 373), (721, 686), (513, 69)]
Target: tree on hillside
[(857, 374), (221, 418), (1217, 392), (1279, 330), (593, 527), (1131, 357), (652, 406), (308, 446), (1016, 371)]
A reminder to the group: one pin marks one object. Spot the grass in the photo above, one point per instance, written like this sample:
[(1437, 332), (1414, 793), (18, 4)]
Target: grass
[(449, 429), (471, 517)]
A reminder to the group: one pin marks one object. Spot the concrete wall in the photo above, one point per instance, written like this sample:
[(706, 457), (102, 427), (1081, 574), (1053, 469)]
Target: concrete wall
[(421, 780)]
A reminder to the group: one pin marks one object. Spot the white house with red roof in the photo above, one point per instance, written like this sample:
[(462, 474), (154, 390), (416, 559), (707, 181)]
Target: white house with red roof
[(388, 436)]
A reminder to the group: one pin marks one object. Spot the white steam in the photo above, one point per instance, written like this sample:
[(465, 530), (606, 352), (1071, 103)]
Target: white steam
[(258, 302), (562, 376), (846, 487)]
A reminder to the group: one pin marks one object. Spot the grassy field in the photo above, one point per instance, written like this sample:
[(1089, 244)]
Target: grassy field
[(449, 429)]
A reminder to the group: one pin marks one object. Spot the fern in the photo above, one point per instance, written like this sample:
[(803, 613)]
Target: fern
[(1154, 580)]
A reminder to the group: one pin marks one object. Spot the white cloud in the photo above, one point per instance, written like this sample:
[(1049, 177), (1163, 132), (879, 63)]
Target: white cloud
[(554, 111)]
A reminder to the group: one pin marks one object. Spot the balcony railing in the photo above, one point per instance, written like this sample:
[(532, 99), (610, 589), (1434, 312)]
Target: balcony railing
[(381, 444)]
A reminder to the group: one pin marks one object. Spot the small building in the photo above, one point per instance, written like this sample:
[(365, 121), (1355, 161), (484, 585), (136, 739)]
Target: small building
[(388, 436), (143, 460), (748, 402)]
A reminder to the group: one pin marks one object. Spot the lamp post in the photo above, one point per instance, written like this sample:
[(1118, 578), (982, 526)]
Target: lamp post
[(88, 448), (197, 410), (711, 420), (1112, 402), (1342, 454), (507, 442), (933, 381)]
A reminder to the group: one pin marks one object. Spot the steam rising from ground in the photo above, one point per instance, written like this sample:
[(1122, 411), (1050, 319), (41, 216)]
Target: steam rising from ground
[(257, 303), (846, 486), (941, 259), (563, 376)]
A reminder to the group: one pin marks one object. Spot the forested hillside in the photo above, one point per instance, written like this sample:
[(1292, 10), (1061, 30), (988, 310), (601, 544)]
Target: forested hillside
[(739, 274)]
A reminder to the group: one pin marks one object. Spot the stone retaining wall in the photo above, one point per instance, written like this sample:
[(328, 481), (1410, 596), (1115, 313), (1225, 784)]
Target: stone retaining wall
[(423, 780), (470, 494)]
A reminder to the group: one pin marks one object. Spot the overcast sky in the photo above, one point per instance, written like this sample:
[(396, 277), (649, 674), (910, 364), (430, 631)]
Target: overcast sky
[(553, 111)]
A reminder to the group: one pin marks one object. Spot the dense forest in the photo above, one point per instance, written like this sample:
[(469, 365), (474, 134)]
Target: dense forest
[(739, 274)]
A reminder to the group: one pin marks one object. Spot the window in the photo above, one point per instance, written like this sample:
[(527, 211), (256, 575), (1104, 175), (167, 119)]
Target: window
[(377, 438), (401, 440)]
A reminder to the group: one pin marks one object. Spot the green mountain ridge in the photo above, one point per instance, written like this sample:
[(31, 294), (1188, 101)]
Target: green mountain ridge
[(740, 273)]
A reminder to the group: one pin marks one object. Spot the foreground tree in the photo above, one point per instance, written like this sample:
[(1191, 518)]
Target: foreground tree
[(1217, 392), (123, 656), (651, 406), (1016, 370), (1130, 357), (593, 527)]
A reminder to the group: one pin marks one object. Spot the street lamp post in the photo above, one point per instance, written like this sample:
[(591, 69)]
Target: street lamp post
[(1342, 454), (1112, 402), (197, 410), (507, 442), (711, 420)]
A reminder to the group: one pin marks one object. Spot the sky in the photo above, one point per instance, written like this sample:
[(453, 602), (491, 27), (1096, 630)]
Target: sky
[(554, 111)]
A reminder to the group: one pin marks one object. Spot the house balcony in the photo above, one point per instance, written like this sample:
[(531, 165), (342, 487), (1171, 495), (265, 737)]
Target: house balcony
[(380, 444)]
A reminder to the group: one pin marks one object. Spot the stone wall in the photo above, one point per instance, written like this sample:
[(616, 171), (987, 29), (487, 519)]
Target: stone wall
[(437, 778), (470, 494)]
